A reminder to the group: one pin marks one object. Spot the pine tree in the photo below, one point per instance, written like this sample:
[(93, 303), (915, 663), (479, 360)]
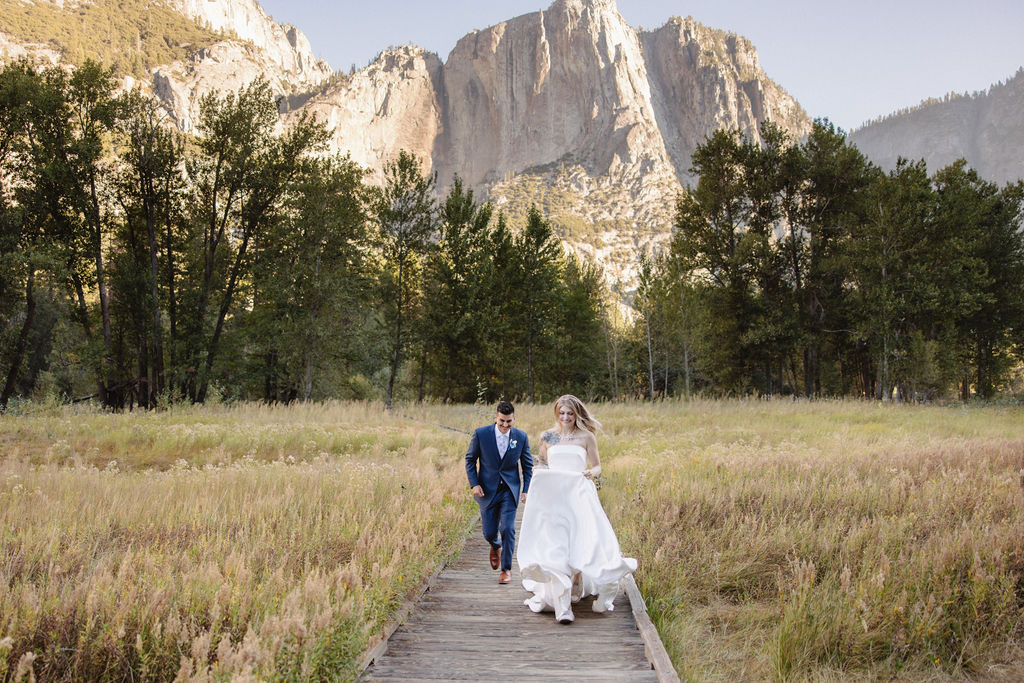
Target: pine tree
[(457, 310), (406, 216)]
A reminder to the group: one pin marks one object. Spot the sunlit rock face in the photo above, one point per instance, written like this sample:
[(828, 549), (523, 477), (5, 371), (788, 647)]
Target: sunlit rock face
[(392, 104), (573, 99), (569, 108), (282, 45), (260, 48)]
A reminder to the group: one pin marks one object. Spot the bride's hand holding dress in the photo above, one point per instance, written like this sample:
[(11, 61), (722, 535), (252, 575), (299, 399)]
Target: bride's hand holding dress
[(567, 545)]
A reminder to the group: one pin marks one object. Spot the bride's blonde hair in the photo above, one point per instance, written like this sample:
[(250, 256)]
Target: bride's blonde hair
[(584, 420)]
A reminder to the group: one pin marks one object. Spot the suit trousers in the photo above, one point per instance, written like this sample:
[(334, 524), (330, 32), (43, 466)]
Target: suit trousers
[(498, 519)]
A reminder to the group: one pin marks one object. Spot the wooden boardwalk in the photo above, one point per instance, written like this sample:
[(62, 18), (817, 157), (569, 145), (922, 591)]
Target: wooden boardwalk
[(468, 627)]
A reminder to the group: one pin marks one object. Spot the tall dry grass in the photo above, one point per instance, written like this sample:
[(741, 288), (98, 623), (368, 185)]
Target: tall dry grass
[(795, 540), (207, 544), (824, 541), (776, 540)]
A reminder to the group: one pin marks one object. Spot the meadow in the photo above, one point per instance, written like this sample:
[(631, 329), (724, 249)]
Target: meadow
[(776, 540)]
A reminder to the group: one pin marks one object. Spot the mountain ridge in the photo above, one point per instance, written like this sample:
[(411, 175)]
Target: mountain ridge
[(985, 128), (572, 99), (569, 106)]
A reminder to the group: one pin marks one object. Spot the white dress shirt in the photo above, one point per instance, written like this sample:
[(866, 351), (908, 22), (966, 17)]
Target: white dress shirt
[(502, 440)]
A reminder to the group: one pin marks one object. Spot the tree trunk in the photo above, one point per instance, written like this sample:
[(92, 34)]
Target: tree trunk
[(615, 366), (156, 385), (986, 362), (144, 387), (664, 389), (686, 343), (395, 357), (686, 367), (309, 356), (83, 319), (229, 294), (529, 359), (650, 355), (270, 377), (22, 343), (423, 373), (884, 386), (101, 282), (172, 303), (212, 236), (449, 363), (810, 369), (608, 352)]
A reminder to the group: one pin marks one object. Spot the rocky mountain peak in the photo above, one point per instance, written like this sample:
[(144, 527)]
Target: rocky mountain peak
[(985, 128), (569, 108), (279, 53), (390, 105), (284, 44), (580, 5)]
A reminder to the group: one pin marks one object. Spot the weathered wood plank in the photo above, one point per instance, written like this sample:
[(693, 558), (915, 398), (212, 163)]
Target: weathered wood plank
[(652, 641), (465, 626)]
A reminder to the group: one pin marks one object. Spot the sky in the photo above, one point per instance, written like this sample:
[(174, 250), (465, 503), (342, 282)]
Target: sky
[(849, 60)]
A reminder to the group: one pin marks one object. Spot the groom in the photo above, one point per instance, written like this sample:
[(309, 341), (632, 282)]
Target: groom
[(496, 452)]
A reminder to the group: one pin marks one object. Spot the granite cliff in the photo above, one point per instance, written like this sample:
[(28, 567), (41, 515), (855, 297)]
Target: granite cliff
[(569, 108), (259, 47)]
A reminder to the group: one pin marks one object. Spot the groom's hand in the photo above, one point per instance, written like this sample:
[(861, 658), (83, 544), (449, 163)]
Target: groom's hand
[(478, 491), (522, 498)]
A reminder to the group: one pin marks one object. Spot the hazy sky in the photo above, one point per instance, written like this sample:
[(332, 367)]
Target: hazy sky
[(848, 60)]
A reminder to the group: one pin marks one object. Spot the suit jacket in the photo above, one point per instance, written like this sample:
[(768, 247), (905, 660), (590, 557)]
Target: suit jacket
[(485, 467)]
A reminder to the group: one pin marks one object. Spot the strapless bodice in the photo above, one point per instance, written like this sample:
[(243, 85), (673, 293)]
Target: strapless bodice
[(567, 457)]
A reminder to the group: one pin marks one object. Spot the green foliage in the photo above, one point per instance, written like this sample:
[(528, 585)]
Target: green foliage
[(132, 37), (983, 272), (458, 309), (507, 312), (818, 274), (307, 322), (143, 267), (406, 215)]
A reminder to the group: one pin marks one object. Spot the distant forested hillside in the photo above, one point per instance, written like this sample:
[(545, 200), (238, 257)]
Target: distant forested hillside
[(131, 35)]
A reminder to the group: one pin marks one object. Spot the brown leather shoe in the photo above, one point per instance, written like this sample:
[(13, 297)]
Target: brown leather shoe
[(504, 577), (494, 557)]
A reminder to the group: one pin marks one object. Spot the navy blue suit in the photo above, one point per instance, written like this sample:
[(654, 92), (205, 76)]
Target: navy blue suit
[(499, 478)]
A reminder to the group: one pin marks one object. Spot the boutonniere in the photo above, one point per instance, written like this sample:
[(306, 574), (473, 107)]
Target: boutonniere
[(512, 443)]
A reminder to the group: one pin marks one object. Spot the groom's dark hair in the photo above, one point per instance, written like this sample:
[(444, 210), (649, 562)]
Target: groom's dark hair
[(505, 408)]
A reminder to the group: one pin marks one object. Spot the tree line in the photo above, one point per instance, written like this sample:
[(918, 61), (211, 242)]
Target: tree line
[(801, 268), (141, 266)]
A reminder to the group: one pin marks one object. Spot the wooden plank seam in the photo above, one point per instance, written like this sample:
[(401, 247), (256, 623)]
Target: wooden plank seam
[(654, 649)]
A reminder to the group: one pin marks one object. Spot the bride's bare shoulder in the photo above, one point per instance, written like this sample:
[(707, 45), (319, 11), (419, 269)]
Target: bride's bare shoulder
[(550, 437)]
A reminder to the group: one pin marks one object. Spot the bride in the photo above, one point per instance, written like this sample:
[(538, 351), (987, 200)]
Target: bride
[(568, 548)]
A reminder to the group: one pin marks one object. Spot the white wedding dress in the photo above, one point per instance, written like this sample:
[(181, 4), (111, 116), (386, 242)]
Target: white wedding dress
[(564, 532)]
